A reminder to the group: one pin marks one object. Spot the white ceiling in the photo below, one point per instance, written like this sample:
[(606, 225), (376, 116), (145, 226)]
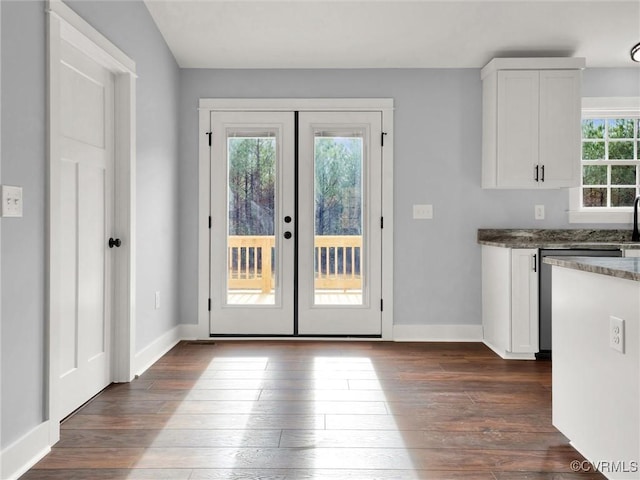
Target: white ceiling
[(393, 33)]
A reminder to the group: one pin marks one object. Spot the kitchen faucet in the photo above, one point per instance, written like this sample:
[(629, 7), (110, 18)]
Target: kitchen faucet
[(635, 236)]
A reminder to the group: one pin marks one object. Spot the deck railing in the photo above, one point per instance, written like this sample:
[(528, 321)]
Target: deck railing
[(337, 262)]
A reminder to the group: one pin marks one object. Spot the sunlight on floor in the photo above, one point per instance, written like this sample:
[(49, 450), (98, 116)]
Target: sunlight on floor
[(366, 395)]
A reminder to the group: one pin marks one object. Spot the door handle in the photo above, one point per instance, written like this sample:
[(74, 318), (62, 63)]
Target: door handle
[(114, 242), (537, 172), (287, 235), (535, 262), (287, 219), (542, 179)]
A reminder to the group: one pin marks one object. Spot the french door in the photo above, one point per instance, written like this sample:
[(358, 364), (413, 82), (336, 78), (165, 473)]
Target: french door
[(296, 223)]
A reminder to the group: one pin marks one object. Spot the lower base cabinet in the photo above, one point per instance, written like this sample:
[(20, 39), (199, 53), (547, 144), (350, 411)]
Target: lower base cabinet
[(510, 301)]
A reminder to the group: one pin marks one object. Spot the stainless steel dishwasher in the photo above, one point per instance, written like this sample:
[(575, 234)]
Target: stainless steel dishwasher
[(545, 289)]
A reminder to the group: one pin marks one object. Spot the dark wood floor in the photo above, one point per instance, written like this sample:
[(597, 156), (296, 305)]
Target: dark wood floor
[(320, 410)]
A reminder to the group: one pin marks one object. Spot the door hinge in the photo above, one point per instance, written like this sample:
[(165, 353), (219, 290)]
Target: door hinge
[(381, 222), (209, 221), (381, 305), (382, 138), (210, 134), (209, 304)]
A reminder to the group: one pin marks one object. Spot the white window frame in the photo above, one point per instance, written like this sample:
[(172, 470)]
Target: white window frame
[(603, 108)]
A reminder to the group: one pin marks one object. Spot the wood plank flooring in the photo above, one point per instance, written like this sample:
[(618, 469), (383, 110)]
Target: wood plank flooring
[(320, 410)]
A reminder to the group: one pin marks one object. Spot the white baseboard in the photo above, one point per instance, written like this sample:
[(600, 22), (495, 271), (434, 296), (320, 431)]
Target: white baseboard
[(156, 349), (508, 355), (437, 333), (24, 453)]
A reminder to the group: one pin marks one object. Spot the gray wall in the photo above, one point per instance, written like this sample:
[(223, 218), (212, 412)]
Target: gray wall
[(437, 160), (23, 239), (130, 27)]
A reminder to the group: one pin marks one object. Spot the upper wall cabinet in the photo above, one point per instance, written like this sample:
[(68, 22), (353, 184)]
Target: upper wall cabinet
[(531, 122)]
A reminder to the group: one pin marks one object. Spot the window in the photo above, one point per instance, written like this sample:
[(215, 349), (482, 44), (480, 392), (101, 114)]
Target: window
[(610, 160)]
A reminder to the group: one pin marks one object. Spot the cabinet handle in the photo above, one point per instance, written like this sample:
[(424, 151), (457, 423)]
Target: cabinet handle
[(535, 262), (542, 178), (537, 170)]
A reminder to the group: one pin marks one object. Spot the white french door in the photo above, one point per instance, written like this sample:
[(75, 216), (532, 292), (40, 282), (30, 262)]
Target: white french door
[(296, 236)]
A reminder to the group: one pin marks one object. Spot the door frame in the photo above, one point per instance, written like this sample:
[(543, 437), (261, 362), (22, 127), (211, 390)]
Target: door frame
[(64, 24), (207, 105)]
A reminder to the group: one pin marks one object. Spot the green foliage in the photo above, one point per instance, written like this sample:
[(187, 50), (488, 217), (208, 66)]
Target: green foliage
[(619, 136), (623, 175), (338, 186), (252, 183), (621, 128), (594, 175), (620, 150), (593, 150), (592, 128)]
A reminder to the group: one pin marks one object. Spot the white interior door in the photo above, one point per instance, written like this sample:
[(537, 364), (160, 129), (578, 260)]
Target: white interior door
[(296, 235), (86, 218)]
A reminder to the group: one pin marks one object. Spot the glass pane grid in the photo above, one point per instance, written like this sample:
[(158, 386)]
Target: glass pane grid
[(610, 162)]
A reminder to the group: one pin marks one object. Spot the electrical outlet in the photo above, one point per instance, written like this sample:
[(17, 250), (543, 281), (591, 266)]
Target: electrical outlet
[(539, 212), (422, 212), (157, 300), (616, 334), (11, 201)]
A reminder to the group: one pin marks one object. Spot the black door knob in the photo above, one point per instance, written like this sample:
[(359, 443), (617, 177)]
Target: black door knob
[(114, 242), (287, 235), (287, 219)]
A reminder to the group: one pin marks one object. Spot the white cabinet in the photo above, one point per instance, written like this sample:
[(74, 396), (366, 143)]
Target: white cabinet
[(531, 123), (510, 301), (524, 300)]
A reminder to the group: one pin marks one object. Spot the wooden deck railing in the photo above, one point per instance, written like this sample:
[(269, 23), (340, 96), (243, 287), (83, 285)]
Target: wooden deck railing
[(337, 262)]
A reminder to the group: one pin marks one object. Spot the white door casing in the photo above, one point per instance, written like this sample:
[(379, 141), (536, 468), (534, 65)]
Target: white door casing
[(382, 110), (82, 162)]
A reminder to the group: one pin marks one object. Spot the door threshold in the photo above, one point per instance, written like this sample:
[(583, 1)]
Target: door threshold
[(230, 336)]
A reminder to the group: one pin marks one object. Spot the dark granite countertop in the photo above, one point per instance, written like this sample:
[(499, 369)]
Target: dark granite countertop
[(627, 268), (557, 238)]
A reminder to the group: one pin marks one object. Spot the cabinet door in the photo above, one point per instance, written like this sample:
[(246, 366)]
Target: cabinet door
[(524, 300), (560, 110), (517, 133)]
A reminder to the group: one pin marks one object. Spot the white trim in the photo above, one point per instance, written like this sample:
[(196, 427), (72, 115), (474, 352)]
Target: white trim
[(603, 108), (437, 333), (509, 355), (25, 452), (292, 104), (82, 35), (206, 105), (156, 349), (204, 232), (64, 24), (529, 63), (610, 107)]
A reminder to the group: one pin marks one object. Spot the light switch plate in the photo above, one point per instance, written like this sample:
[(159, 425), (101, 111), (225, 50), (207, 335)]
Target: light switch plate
[(539, 212), (11, 201), (422, 212)]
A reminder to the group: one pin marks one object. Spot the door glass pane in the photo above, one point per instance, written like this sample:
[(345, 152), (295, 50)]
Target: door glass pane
[(338, 201), (251, 162)]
